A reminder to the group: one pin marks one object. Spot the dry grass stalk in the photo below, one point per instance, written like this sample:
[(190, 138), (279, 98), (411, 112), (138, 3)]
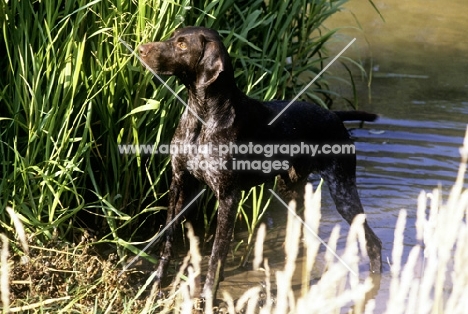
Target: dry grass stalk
[(443, 235), (258, 253), (432, 280), (4, 277), (19, 229), (312, 217)]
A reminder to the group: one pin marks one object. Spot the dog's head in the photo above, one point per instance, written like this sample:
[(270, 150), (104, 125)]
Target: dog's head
[(194, 54)]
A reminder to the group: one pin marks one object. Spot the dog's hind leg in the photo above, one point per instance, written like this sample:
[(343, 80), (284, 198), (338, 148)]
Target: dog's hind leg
[(291, 186), (340, 176)]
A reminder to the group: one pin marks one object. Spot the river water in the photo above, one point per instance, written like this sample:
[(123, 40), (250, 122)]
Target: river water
[(419, 62)]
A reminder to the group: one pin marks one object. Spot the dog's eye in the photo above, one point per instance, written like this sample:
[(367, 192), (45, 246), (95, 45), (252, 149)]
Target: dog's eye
[(182, 45)]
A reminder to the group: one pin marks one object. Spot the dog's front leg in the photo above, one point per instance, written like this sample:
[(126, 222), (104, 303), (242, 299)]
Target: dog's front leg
[(227, 210), (179, 195)]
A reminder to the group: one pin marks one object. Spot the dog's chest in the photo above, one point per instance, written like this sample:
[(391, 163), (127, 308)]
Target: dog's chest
[(205, 155)]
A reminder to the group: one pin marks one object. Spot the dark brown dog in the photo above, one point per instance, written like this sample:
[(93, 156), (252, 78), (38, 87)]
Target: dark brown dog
[(222, 114)]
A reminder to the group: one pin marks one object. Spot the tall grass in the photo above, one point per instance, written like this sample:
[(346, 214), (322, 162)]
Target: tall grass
[(278, 45), (69, 97)]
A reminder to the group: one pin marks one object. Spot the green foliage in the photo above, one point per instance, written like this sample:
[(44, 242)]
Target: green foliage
[(253, 216), (277, 46), (66, 96), (71, 93)]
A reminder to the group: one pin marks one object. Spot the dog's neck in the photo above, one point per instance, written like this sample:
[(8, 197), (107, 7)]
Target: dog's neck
[(210, 104)]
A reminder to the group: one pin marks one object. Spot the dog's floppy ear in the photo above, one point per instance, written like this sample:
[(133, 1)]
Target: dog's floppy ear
[(212, 62)]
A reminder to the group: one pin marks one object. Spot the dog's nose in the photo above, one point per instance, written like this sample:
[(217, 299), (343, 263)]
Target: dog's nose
[(143, 50)]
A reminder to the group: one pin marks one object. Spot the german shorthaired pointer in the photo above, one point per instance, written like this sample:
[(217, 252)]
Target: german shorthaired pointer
[(220, 114)]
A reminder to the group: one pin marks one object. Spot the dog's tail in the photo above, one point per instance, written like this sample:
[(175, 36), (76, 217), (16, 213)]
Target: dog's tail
[(355, 115)]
